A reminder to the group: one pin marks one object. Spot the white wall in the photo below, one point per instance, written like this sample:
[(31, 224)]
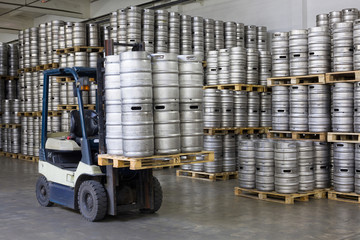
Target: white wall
[(48, 18), (7, 37), (101, 7)]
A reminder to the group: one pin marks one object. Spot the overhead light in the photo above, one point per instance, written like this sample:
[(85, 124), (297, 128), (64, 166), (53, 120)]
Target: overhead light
[(44, 1)]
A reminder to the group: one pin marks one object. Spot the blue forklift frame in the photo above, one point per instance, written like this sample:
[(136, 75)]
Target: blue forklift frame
[(77, 73)]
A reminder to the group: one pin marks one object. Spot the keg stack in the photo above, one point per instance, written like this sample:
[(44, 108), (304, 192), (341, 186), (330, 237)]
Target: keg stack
[(342, 109), (113, 127), (322, 20), (265, 109), (209, 35), (211, 74), (265, 67), (133, 31), (229, 153), (148, 33), (344, 167), (343, 46), (238, 67), (198, 37), (306, 165), (253, 109), (240, 109), (185, 35), (251, 37), (298, 118), (261, 38), (319, 119), (219, 35), (265, 165), (280, 108), (334, 17), (174, 32), (322, 164), (252, 66), (298, 51), (223, 71), (115, 32), (240, 35), (286, 167), (319, 46), (356, 40), (191, 103), (212, 108), (230, 34), (227, 108), (136, 104), (162, 31), (246, 164), (165, 74), (280, 54)]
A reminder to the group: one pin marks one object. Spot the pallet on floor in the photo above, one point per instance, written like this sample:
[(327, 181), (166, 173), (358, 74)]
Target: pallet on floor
[(27, 157), (118, 161), (239, 87), (343, 137), (87, 49), (223, 176), (75, 107), (337, 77), (11, 155), (4, 78), (344, 197), (296, 80), (290, 135), (285, 198)]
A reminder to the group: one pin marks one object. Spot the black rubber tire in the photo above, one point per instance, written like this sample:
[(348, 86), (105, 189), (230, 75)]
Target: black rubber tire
[(43, 192), (158, 197), (92, 200)]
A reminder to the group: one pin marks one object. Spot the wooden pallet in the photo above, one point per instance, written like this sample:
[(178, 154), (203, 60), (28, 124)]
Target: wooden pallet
[(253, 130), (29, 69), (219, 131), (153, 161), (336, 77), (27, 157), (11, 155), (239, 87), (289, 135), (87, 49), (279, 197), (47, 66), (75, 107), (344, 197), (343, 137), (212, 177), (10, 125), (5, 78), (234, 130), (296, 80), (27, 114)]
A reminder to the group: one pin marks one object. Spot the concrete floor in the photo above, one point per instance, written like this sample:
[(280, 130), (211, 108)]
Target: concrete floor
[(192, 209)]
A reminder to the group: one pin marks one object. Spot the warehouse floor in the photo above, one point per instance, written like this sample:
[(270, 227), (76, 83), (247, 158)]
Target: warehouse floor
[(192, 209)]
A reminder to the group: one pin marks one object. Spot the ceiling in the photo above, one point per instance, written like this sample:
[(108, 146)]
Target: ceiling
[(16, 15)]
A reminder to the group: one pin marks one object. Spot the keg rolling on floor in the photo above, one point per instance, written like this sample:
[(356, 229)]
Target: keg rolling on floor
[(70, 175)]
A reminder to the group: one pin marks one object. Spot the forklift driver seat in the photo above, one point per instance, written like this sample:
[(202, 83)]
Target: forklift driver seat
[(91, 125)]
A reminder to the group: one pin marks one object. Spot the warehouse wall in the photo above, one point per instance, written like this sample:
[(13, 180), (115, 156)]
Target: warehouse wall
[(277, 15)]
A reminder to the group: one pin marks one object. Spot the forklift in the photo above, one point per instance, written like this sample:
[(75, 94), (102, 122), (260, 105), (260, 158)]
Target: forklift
[(69, 173)]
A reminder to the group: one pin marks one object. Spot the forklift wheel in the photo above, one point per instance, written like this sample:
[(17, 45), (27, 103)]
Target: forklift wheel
[(92, 200), (43, 192), (158, 196)]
